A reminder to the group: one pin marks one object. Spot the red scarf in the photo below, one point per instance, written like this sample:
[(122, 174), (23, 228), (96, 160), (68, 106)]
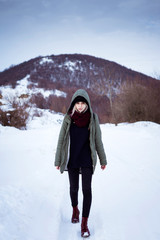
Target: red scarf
[(81, 119)]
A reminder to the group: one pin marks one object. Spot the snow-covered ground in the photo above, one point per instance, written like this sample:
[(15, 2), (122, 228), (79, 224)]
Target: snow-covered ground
[(34, 196)]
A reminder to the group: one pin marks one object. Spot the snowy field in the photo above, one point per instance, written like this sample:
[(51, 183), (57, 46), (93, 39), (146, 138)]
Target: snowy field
[(34, 196)]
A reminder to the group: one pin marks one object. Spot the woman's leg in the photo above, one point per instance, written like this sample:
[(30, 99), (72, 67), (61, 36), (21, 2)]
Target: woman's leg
[(74, 185), (87, 191)]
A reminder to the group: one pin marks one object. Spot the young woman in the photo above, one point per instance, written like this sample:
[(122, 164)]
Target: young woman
[(78, 144)]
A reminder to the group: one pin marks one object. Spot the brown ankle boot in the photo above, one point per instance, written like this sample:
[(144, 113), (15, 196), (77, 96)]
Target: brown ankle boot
[(84, 228), (75, 215)]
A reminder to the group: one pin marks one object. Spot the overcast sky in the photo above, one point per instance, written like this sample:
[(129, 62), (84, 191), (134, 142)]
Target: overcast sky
[(123, 31)]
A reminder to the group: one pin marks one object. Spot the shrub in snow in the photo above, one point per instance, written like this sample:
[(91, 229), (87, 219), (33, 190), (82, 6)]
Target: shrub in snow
[(15, 118), (24, 96), (17, 115), (39, 100)]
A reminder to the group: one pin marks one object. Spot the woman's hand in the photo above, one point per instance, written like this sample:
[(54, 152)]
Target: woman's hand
[(103, 167), (57, 167)]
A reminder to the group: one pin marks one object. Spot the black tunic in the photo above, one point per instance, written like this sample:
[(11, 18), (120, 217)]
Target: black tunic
[(80, 153)]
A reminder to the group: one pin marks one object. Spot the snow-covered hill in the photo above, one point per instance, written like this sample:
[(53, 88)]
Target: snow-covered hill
[(34, 196), (74, 70), (8, 93), (50, 82)]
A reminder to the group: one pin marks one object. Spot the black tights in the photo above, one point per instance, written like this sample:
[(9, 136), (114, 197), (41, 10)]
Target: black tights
[(86, 188)]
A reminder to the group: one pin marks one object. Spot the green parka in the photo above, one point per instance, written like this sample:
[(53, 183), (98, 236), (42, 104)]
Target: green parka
[(96, 145)]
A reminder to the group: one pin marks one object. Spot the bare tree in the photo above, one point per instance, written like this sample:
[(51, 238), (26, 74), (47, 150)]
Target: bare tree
[(136, 102), (110, 93)]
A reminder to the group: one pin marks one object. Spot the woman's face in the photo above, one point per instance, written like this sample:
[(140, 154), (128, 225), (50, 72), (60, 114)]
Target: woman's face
[(80, 106)]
